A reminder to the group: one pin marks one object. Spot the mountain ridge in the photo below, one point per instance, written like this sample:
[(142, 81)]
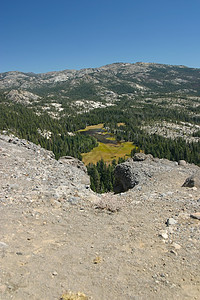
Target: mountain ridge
[(85, 71), (106, 65)]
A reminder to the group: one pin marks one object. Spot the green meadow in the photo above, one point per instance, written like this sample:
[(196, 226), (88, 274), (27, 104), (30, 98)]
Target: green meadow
[(108, 148), (108, 152)]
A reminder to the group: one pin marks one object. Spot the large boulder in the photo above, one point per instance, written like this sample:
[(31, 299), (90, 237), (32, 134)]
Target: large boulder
[(125, 178), (130, 173), (182, 163)]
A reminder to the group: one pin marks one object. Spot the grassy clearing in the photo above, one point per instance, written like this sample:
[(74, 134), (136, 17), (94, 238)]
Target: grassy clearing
[(98, 126), (108, 152), (112, 138)]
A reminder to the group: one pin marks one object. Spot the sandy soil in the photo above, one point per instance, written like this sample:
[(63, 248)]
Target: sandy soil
[(110, 247)]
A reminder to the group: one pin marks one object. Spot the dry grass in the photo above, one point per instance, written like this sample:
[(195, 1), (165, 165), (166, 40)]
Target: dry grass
[(121, 124), (98, 126)]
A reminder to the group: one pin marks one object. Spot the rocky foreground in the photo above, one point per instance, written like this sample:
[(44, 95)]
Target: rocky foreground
[(58, 236)]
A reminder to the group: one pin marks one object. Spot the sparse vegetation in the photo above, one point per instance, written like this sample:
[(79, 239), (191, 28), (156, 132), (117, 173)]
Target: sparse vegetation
[(74, 296)]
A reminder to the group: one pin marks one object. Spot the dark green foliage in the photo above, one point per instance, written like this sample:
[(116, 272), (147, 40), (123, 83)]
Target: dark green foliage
[(102, 175), (121, 88), (197, 133), (171, 149), (24, 123)]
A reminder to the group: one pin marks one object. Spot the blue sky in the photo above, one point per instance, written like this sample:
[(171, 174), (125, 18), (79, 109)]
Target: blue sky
[(41, 36)]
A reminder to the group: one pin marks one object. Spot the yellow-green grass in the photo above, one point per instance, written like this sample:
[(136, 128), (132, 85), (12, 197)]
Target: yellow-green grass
[(108, 152), (98, 126), (112, 138), (105, 132)]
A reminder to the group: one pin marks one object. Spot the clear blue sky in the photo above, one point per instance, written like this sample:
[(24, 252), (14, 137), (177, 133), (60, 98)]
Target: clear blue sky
[(44, 35)]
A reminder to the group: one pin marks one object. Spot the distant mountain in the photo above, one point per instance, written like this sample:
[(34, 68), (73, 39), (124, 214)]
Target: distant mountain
[(72, 91), (145, 76)]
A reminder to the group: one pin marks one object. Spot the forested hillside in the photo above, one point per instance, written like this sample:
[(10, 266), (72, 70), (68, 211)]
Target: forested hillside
[(159, 106)]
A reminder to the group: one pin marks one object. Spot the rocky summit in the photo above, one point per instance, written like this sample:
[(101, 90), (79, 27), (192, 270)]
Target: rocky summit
[(59, 239)]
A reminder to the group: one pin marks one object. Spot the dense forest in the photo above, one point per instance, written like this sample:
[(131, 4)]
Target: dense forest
[(24, 123), (102, 175)]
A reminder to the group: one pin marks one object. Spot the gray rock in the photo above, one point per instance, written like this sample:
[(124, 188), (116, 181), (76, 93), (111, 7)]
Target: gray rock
[(195, 215), (3, 245), (125, 178), (171, 221), (176, 246), (182, 162), (74, 200), (73, 162), (141, 156), (163, 234), (192, 181), (130, 173)]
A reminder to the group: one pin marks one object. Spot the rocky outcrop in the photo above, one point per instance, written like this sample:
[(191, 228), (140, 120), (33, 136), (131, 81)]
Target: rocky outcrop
[(72, 161), (21, 96), (141, 156), (38, 176), (143, 168), (133, 172), (192, 181)]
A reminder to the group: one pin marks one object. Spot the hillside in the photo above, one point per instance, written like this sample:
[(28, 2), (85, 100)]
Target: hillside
[(159, 105), (86, 89), (59, 236)]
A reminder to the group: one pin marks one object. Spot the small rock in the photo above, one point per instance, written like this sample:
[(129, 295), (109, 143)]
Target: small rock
[(171, 221), (163, 234), (97, 260), (3, 245), (173, 252), (54, 273), (195, 215), (176, 246), (74, 200)]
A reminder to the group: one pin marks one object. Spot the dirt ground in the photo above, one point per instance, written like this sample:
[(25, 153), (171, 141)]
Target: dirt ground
[(113, 247)]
